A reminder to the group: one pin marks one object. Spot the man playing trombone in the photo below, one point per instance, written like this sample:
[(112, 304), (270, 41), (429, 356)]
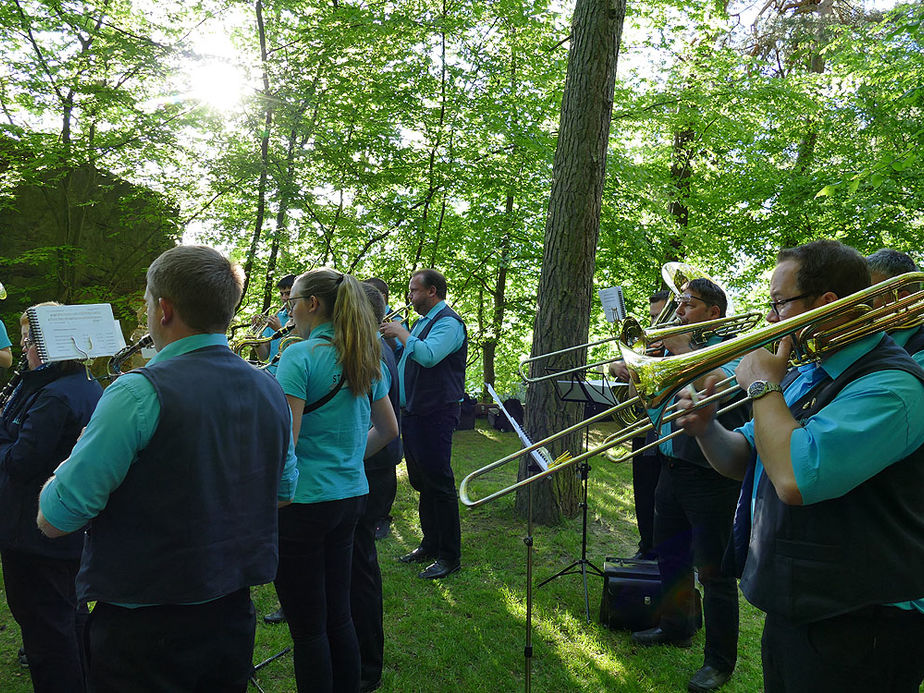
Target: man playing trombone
[(829, 533), (694, 507)]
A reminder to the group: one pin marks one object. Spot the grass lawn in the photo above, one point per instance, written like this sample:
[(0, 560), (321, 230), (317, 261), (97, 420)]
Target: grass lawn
[(467, 632)]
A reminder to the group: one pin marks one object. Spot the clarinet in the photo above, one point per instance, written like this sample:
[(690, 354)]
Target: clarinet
[(125, 353), (21, 367)]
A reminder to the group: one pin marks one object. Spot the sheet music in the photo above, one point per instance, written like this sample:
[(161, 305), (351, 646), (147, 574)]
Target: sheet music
[(542, 462), (74, 332), (614, 304)]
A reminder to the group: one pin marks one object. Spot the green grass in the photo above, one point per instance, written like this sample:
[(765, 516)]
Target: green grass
[(467, 632)]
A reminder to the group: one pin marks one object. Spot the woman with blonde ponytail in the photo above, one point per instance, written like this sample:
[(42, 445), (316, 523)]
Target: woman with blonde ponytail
[(333, 384)]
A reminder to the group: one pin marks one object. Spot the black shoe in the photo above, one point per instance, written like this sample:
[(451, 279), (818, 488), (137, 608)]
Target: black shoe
[(439, 569), (278, 616), (382, 528), (656, 636), (641, 555), (369, 686), (708, 678), (418, 555)]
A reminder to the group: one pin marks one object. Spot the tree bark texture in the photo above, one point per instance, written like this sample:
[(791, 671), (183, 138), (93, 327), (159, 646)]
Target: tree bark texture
[(571, 234)]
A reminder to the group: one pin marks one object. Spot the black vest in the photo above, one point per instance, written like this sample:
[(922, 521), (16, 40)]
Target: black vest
[(915, 343), (195, 517), (442, 384), (866, 547), (687, 449), (391, 454)]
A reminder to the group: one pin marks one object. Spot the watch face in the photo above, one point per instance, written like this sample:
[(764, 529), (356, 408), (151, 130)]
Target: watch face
[(757, 389)]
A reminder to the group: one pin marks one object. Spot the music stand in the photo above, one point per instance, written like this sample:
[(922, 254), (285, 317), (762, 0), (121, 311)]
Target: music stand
[(577, 389), (268, 660)]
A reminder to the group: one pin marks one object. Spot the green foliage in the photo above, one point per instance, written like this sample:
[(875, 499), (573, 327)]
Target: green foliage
[(416, 133)]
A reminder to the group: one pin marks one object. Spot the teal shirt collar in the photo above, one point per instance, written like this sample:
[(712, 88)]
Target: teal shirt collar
[(187, 344), (435, 309), (838, 362), (325, 329)]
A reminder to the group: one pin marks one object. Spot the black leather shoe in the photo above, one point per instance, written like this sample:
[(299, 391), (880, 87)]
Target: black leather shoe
[(369, 686), (656, 636), (439, 569), (641, 555), (418, 555), (708, 679), (278, 616)]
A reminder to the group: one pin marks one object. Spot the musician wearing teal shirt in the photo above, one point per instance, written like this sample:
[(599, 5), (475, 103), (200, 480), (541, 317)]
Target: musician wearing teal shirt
[(334, 387), (833, 470), (179, 474), (431, 380), (694, 508), (6, 355)]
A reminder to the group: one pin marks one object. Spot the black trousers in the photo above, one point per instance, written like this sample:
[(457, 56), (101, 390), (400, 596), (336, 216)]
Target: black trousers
[(428, 451), (42, 598), (200, 647), (694, 507), (366, 580), (646, 468), (313, 584), (879, 648)]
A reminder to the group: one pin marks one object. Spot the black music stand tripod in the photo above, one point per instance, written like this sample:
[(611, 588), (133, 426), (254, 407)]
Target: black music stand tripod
[(577, 389), (582, 564)]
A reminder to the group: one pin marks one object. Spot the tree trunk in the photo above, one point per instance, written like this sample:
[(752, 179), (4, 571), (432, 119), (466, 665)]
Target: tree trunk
[(571, 232), (264, 154)]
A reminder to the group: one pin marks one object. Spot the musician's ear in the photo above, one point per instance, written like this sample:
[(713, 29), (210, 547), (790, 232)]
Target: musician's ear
[(166, 311)]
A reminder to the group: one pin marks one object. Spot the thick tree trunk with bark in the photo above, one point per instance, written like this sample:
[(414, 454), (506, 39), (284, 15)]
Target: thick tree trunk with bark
[(571, 233)]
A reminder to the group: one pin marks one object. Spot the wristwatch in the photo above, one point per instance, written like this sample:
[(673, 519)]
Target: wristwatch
[(759, 388)]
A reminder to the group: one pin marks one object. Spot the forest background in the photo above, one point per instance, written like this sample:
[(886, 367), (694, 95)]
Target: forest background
[(380, 137)]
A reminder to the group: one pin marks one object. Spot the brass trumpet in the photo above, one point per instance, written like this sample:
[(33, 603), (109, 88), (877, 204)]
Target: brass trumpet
[(657, 380), (405, 309)]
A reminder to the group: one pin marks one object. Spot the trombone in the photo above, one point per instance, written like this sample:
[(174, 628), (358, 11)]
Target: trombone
[(675, 276), (699, 332), (816, 332)]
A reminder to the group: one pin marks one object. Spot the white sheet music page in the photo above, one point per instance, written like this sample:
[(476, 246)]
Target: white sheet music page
[(614, 305), (73, 332)]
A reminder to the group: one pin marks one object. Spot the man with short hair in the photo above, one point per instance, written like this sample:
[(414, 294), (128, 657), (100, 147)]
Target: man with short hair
[(179, 473), (431, 377), (694, 507), (829, 532), (274, 323), (885, 264)]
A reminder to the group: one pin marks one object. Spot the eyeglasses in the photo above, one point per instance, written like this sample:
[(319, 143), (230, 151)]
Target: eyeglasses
[(290, 302), (686, 300), (775, 305)]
